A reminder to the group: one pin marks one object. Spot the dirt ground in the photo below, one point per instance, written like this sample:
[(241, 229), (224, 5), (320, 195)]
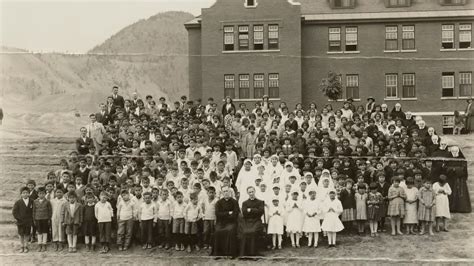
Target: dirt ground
[(455, 246)]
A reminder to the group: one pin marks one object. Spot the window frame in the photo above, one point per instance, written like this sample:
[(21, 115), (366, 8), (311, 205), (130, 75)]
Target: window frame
[(407, 87), (443, 88), (343, 4), (351, 47), (261, 39), (465, 79), (462, 32), (274, 85), (453, 3), (273, 36), (229, 46), (242, 33), (391, 39), (258, 85), (412, 39), (352, 88), (391, 87), (229, 85), (338, 41), (244, 86), (445, 30), (399, 3)]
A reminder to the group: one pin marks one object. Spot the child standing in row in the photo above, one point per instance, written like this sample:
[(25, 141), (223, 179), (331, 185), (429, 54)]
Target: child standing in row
[(72, 219), (294, 224), (331, 224), (90, 222), (396, 206), (347, 198), (192, 213), (361, 207), (442, 190), (125, 212), (411, 216), (104, 214), (23, 214), (178, 221), (312, 224), (209, 217), (42, 212), (374, 209), (147, 214), (275, 222), (426, 209), (57, 228)]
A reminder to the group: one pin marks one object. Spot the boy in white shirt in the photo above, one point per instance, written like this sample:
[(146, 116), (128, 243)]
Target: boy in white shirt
[(164, 219), (125, 214), (178, 220), (104, 214), (148, 215), (209, 218)]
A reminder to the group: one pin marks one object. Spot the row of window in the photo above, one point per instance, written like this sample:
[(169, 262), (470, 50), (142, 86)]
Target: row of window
[(258, 85), (448, 84), (352, 3), (258, 40)]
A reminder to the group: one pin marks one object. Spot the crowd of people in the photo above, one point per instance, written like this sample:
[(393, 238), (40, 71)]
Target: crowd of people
[(236, 180)]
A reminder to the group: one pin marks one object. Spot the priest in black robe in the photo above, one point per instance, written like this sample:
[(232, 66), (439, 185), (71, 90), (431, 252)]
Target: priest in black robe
[(251, 227), (225, 234)]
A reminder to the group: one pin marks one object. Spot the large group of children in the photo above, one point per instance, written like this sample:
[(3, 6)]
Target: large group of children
[(151, 174)]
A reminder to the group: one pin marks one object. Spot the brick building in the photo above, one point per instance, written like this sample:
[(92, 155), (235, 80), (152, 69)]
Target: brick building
[(416, 52)]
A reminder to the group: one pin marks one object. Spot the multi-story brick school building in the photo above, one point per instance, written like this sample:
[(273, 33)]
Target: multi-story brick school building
[(416, 52)]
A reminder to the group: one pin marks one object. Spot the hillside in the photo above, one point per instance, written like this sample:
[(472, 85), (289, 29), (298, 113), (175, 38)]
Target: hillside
[(52, 83), (160, 34)]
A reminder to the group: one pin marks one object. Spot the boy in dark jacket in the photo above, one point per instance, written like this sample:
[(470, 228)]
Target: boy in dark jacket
[(23, 214), (42, 212)]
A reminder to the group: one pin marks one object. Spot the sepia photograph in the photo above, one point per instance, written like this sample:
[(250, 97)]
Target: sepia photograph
[(236, 132)]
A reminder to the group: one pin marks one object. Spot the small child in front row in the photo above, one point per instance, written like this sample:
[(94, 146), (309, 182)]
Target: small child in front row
[(178, 221), (23, 214), (57, 228), (192, 213), (374, 202), (164, 219), (71, 217), (411, 210), (147, 214), (348, 201), (209, 217), (125, 214), (312, 224), (42, 212), (426, 209), (332, 208), (294, 223), (275, 222), (104, 214), (361, 207), (89, 221), (442, 190), (396, 206)]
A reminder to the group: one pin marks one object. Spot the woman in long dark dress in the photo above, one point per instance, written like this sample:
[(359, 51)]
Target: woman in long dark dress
[(459, 200), (225, 235)]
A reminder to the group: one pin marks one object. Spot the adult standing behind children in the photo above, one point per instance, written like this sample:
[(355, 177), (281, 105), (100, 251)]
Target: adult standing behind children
[(251, 227), (225, 237)]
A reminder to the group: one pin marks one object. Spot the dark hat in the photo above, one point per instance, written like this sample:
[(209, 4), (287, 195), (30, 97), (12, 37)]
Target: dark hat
[(371, 98)]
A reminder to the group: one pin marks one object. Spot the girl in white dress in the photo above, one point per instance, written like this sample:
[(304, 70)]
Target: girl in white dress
[(411, 210), (331, 224), (311, 224), (294, 222), (275, 222), (442, 190)]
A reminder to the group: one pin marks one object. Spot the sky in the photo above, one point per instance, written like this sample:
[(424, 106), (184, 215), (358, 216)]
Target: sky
[(76, 26)]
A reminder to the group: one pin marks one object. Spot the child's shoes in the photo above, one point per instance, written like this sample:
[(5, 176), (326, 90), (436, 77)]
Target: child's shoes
[(176, 247), (189, 249)]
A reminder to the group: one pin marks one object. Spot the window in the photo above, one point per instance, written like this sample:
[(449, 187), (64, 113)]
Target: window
[(342, 3), (243, 37), (258, 86), (391, 38), (352, 86), (334, 39), (408, 37), (229, 38), (391, 85), (448, 121), (465, 35), (229, 86), (447, 84), (273, 86), (408, 86), (244, 86), (447, 36), (398, 3), (273, 43), (258, 37), (250, 3), (465, 84), (453, 2), (351, 38)]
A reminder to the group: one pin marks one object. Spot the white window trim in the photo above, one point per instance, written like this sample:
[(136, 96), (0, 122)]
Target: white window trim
[(250, 51), (247, 6)]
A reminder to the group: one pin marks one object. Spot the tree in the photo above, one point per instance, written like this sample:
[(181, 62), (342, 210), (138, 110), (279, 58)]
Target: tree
[(331, 86)]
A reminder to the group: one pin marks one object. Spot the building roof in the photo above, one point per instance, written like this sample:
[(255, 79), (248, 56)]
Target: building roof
[(320, 10)]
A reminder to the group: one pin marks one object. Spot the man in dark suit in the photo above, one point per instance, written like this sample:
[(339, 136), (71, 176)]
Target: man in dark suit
[(103, 116), (83, 143), (118, 100)]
